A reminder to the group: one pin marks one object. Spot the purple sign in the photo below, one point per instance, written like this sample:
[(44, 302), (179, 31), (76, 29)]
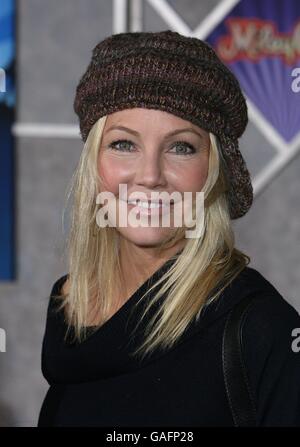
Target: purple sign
[(260, 42)]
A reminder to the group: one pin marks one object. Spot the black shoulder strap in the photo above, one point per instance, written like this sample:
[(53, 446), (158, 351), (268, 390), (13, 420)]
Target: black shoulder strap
[(237, 385)]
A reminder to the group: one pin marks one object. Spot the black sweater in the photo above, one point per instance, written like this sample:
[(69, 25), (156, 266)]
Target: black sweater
[(98, 383)]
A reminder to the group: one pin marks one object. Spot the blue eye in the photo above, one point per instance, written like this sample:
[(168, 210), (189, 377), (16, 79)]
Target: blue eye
[(123, 143), (114, 144), (184, 145)]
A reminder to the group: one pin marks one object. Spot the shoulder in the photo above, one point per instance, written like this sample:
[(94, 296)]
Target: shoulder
[(59, 287), (267, 300), (269, 328), (270, 316), (251, 280), (270, 324), (271, 311), (269, 336)]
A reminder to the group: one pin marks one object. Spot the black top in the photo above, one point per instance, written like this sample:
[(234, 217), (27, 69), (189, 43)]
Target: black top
[(98, 383)]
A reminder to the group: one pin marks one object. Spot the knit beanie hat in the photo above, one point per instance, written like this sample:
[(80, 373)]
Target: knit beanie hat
[(177, 74)]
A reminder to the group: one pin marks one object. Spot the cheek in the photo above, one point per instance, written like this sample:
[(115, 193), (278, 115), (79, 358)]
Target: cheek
[(193, 176), (112, 173)]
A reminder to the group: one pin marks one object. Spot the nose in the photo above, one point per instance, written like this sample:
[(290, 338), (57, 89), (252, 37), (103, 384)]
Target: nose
[(150, 170)]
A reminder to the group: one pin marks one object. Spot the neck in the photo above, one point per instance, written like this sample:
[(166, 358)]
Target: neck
[(139, 263)]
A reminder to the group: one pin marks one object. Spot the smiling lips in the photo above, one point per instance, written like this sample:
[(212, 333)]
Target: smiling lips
[(148, 207)]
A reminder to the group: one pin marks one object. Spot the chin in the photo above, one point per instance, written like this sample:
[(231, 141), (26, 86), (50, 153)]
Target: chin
[(145, 237)]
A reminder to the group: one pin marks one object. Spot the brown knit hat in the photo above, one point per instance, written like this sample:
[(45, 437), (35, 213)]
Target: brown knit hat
[(177, 74)]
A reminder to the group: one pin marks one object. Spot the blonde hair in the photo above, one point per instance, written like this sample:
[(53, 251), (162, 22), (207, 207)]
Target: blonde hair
[(201, 271)]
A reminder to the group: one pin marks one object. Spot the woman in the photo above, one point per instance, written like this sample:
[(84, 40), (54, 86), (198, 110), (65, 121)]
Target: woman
[(134, 331)]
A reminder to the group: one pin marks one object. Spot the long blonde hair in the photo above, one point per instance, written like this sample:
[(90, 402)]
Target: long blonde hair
[(201, 271)]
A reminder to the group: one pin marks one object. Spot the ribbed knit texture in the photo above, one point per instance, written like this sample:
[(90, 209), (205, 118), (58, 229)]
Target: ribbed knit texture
[(177, 74)]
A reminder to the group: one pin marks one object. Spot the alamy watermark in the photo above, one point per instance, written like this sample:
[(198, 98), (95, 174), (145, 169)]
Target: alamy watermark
[(296, 82), (136, 210), (2, 81), (2, 340), (296, 342)]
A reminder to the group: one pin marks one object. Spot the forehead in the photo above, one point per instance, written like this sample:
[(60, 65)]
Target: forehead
[(143, 119)]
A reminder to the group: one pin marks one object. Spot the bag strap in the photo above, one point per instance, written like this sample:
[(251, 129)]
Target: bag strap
[(237, 385)]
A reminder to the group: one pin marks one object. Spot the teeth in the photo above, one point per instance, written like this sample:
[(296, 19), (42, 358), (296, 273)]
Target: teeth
[(145, 204)]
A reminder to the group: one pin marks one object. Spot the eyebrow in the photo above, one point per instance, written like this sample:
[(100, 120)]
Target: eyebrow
[(174, 132)]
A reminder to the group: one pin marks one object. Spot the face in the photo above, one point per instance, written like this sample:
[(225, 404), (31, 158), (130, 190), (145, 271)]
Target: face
[(151, 151)]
